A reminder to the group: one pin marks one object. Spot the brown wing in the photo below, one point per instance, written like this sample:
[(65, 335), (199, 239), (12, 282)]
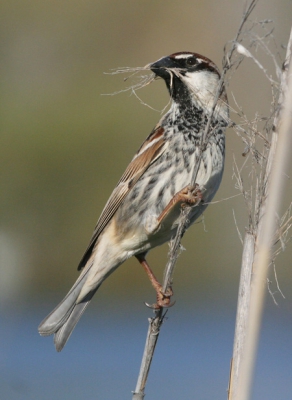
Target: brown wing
[(150, 151)]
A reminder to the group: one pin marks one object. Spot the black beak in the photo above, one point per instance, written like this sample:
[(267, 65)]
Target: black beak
[(160, 67)]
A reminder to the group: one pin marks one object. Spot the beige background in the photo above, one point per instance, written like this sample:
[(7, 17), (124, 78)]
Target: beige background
[(64, 146)]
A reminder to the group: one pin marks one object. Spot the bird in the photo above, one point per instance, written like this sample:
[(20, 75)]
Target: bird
[(144, 209)]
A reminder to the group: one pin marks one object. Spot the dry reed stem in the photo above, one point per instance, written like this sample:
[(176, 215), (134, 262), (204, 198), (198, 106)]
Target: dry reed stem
[(251, 296)]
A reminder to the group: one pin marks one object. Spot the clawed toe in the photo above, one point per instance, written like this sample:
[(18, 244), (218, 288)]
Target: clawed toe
[(191, 195), (157, 306), (163, 299)]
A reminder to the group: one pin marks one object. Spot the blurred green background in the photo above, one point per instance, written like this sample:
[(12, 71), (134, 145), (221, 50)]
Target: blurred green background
[(63, 147)]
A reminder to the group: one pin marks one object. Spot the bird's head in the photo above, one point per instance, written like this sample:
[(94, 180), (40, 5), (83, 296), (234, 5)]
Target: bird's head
[(191, 77)]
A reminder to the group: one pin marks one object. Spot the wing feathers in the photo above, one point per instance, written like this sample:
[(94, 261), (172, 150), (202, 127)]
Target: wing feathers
[(150, 151)]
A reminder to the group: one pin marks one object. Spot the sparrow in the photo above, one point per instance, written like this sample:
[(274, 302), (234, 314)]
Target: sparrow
[(144, 209)]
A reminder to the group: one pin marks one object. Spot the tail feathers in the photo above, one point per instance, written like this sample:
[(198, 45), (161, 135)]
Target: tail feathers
[(58, 317), (64, 332)]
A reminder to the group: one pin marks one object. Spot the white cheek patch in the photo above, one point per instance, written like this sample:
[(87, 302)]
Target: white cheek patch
[(203, 81), (203, 87), (203, 84)]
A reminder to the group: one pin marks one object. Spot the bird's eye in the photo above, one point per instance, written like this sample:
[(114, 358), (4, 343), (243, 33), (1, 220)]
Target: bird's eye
[(191, 61)]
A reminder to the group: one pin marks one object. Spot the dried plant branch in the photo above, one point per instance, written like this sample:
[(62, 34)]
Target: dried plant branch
[(243, 310), (267, 227), (238, 231), (152, 337), (142, 81), (269, 190), (155, 323), (242, 50), (186, 212)]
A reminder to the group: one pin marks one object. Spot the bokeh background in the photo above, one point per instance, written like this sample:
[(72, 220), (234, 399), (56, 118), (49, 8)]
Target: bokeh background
[(63, 147)]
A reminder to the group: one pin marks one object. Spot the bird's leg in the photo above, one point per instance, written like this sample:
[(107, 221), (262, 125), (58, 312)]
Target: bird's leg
[(163, 299), (189, 195)]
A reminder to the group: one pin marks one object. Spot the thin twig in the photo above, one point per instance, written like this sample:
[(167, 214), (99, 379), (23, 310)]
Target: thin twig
[(152, 337), (186, 212), (175, 243)]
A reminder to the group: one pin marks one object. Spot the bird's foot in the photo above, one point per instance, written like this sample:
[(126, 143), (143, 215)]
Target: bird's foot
[(163, 298), (190, 195)]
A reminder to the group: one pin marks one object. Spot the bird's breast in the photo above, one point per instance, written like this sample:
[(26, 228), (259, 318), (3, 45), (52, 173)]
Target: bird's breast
[(162, 180)]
